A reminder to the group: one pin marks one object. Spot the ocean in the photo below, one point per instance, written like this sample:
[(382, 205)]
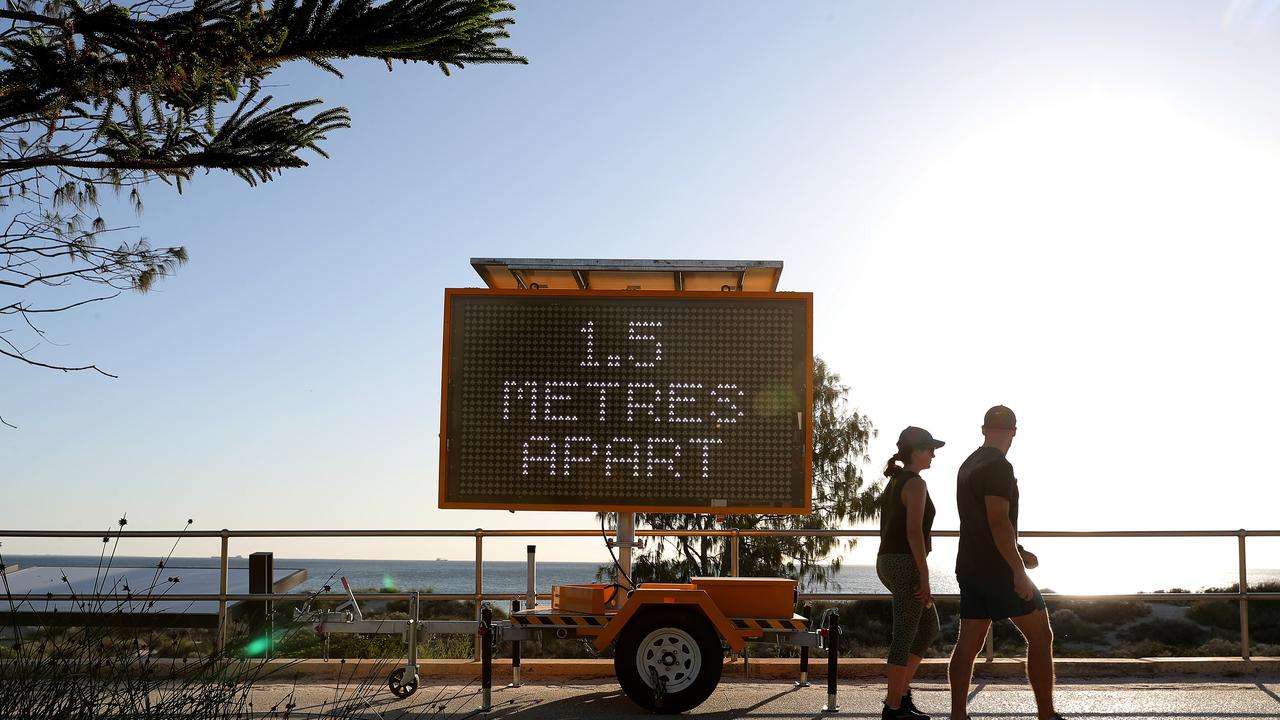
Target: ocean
[(458, 576)]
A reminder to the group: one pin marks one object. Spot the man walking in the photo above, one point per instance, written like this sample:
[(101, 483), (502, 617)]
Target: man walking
[(991, 568)]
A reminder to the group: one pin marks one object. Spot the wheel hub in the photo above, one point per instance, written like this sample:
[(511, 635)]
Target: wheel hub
[(673, 657)]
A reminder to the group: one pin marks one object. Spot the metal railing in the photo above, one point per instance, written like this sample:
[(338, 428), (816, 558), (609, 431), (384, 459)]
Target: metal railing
[(735, 536)]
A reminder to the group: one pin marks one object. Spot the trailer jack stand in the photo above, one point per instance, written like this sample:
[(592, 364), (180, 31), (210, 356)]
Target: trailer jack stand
[(659, 689)]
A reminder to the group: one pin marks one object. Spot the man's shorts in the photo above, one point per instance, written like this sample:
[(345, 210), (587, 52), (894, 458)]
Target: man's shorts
[(993, 598)]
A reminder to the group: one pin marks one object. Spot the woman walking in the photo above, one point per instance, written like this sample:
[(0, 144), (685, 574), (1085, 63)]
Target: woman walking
[(906, 518)]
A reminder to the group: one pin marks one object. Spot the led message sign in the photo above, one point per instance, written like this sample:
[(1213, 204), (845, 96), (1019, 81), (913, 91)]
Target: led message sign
[(646, 401)]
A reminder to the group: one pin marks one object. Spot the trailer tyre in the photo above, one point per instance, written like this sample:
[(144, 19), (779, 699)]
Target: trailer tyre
[(677, 645), (399, 688)]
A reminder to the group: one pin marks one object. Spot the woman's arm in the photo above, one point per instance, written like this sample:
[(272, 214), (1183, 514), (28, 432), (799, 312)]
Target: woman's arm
[(914, 494)]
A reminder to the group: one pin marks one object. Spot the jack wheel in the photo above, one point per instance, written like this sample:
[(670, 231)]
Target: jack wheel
[(398, 687), (676, 647)]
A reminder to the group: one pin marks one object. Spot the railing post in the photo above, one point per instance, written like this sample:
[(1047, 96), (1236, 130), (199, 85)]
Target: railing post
[(733, 553), (991, 642), (479, 594), (221, 640), (1244, 597)]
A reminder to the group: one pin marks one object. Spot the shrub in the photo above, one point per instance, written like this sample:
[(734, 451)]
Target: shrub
[(1264, 617), (1216, 613), (1069, 627), (1144, 648), (1219, 647), (1179, 633), (1107, 612)]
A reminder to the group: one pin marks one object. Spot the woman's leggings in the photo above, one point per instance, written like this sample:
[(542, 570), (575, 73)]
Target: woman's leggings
[(914, 625)]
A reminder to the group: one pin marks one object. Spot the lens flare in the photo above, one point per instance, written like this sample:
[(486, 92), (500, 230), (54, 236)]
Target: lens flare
[(258, 646)]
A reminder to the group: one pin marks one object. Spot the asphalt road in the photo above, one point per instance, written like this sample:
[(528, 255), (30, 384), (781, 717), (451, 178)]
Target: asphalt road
[(1254, 697)]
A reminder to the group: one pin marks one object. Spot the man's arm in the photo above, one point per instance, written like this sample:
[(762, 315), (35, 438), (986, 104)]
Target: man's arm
[(1007, 543)]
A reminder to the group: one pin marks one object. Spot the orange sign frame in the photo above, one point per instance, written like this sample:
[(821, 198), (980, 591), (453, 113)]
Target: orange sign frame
[(807, 465)]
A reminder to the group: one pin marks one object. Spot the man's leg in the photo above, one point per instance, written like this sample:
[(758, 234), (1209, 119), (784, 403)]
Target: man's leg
[(973, 633), (1035, 628)]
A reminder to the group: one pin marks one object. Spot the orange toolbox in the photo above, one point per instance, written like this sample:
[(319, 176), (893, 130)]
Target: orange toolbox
[(750, 597), (591, 598)]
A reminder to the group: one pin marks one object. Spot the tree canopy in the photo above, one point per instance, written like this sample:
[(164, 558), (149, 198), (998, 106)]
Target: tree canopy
[(841, 495), (97, 95)]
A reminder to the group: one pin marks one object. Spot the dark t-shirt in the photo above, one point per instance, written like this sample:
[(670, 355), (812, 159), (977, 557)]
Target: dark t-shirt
[(985, 472), (893, 516)]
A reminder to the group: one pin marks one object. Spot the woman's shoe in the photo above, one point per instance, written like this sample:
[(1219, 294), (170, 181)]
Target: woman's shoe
[(901, 713), (906, 704)]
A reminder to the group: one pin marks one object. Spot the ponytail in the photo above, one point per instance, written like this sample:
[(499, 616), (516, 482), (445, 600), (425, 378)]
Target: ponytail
[(896, 463)]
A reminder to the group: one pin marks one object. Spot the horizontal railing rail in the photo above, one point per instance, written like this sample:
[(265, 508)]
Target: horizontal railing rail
[(1242, 595)]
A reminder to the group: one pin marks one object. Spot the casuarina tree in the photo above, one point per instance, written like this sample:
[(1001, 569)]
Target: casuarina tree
[(841, 495), (98, 96)]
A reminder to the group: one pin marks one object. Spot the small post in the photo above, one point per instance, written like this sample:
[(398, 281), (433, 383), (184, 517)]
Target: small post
[(733, 553), (221, 641), (485, 638), (625, 540), (415, 617), (833, 658), (804, 651), (515, 651), (531, 576), (991, 642), (262, 614), (479, 592), (1244, 598)]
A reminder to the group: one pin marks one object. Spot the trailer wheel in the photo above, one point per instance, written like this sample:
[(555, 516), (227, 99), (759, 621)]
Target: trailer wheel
[(398, 687), (676, 646)]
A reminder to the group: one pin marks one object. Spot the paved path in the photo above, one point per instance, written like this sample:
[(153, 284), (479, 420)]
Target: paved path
[(1220, 699)]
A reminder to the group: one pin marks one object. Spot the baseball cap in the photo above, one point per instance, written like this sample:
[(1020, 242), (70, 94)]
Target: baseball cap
[(1000, 418), (918, 439)]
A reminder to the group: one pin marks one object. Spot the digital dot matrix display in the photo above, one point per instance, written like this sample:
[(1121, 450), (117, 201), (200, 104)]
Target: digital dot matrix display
[(657, 401)]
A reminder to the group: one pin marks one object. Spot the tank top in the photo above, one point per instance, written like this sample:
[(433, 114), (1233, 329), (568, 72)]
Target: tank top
[(893, 517)]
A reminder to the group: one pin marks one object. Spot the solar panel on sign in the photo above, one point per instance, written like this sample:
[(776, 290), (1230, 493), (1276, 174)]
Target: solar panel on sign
[(641, 401)]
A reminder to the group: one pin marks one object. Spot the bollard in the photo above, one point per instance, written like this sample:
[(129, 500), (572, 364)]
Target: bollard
[(531, 575), (515, 651), (833, 658), (261, 615), (486, 659), (804, 650)]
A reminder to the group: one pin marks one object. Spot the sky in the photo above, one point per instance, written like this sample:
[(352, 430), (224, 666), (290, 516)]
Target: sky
[(1067, 208)]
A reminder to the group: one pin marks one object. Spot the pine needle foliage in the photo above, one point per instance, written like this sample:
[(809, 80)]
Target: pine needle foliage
[(96, 94), (841, 495)]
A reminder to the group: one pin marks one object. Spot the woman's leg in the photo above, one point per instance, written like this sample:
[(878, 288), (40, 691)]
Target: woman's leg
[(913, 664), (897, 685), (926, 633), (899, 575)]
